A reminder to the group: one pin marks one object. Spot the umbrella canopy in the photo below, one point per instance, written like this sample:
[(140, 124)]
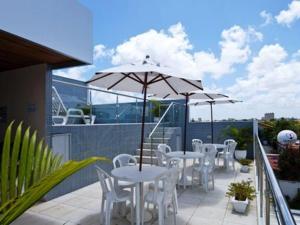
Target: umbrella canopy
[(216, 102), (144, 78), (133, 78), (192, 95), (211, 103)]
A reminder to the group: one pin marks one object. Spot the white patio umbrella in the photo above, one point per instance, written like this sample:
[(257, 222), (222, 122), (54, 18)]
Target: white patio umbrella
[(211, 103), (144, 78), (192, 95)]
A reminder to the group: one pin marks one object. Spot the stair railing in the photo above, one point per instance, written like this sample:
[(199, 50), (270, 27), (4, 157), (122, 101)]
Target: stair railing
[(160, 122), (57, 103)]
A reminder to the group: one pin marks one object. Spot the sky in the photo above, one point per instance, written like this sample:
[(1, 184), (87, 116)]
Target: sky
[(249, 50)]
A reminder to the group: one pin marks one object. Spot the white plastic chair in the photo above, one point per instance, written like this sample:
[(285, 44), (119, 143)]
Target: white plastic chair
[(110, 196), (229, 155), (163, 198), (124, 160), (227, 141), (197, 146), (205, 169), (164, 148), (171, 163)]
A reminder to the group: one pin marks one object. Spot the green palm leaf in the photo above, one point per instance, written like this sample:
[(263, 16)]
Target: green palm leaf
[(29, 171)]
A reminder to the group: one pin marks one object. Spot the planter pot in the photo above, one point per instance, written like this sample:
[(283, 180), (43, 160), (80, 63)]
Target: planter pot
[(245, 169), (240, 154), (239, 206)]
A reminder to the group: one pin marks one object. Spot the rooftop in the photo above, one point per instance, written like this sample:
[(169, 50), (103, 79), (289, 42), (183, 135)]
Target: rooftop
[(196, 207)]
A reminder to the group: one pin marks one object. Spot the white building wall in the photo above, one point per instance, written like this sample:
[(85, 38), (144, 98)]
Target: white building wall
[(62, 25)]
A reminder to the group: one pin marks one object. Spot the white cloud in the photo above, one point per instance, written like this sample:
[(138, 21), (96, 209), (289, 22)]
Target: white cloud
[(100, 51), (287, 17), (173, 49), (272, 83), (268, 18)]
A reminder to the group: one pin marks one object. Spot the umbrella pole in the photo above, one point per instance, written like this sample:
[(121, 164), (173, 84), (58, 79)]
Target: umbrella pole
[(185, 122), (211, 123), (143, 123)]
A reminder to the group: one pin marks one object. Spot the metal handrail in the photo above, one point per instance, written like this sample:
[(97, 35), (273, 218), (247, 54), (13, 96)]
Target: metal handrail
[(61, 104), (161, 119), (283, 210), (96, 89)]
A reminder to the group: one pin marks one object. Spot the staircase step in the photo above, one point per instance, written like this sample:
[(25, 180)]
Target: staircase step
[(146, 152), (157, 140), (162, 134), (147, 159), (166, 129)]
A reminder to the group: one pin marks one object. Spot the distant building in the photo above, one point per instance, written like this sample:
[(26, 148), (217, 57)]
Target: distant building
[(268, 116)]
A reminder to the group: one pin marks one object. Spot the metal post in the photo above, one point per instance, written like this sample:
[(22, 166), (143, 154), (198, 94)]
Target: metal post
[(136, 110), (185, 122), (261, 189), (151, 151), (173, 116), (91, 106), (143, 121), (267, 199), (211, 123), (117, 109)]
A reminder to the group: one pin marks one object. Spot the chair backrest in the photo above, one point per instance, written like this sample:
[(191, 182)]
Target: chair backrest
[(75, 116), (197, 145), (105, 181), (173, 162), (169, 184), (161, 157), (227, 141), (169, 180), (164, 148), (231, 148), (124, 160), (210, 156), (197, 140)]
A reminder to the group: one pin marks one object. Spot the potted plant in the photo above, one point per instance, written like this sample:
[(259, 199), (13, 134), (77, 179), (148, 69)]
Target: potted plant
[(155, 110), (240, 193), (243, 137), (245, 165)]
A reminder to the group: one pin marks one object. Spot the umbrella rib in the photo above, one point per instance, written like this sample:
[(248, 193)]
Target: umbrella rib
[(116, 83), (169, 84), (207, 95), (157, 80), (98, 78), (153, 80), (192, 83), (226, 96), (166, 96), (137, 77), (132, 78)]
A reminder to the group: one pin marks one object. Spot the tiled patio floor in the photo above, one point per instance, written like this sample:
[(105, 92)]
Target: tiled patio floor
[(195, 206)]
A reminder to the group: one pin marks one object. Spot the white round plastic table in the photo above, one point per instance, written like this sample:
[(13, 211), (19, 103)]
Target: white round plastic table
[(132, 174), (218, 146), (188, 155)]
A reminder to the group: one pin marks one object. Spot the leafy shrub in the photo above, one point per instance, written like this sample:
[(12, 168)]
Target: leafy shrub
[(245, 162), (270, 129), (241, 191), (289, 164), (243, 136)]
